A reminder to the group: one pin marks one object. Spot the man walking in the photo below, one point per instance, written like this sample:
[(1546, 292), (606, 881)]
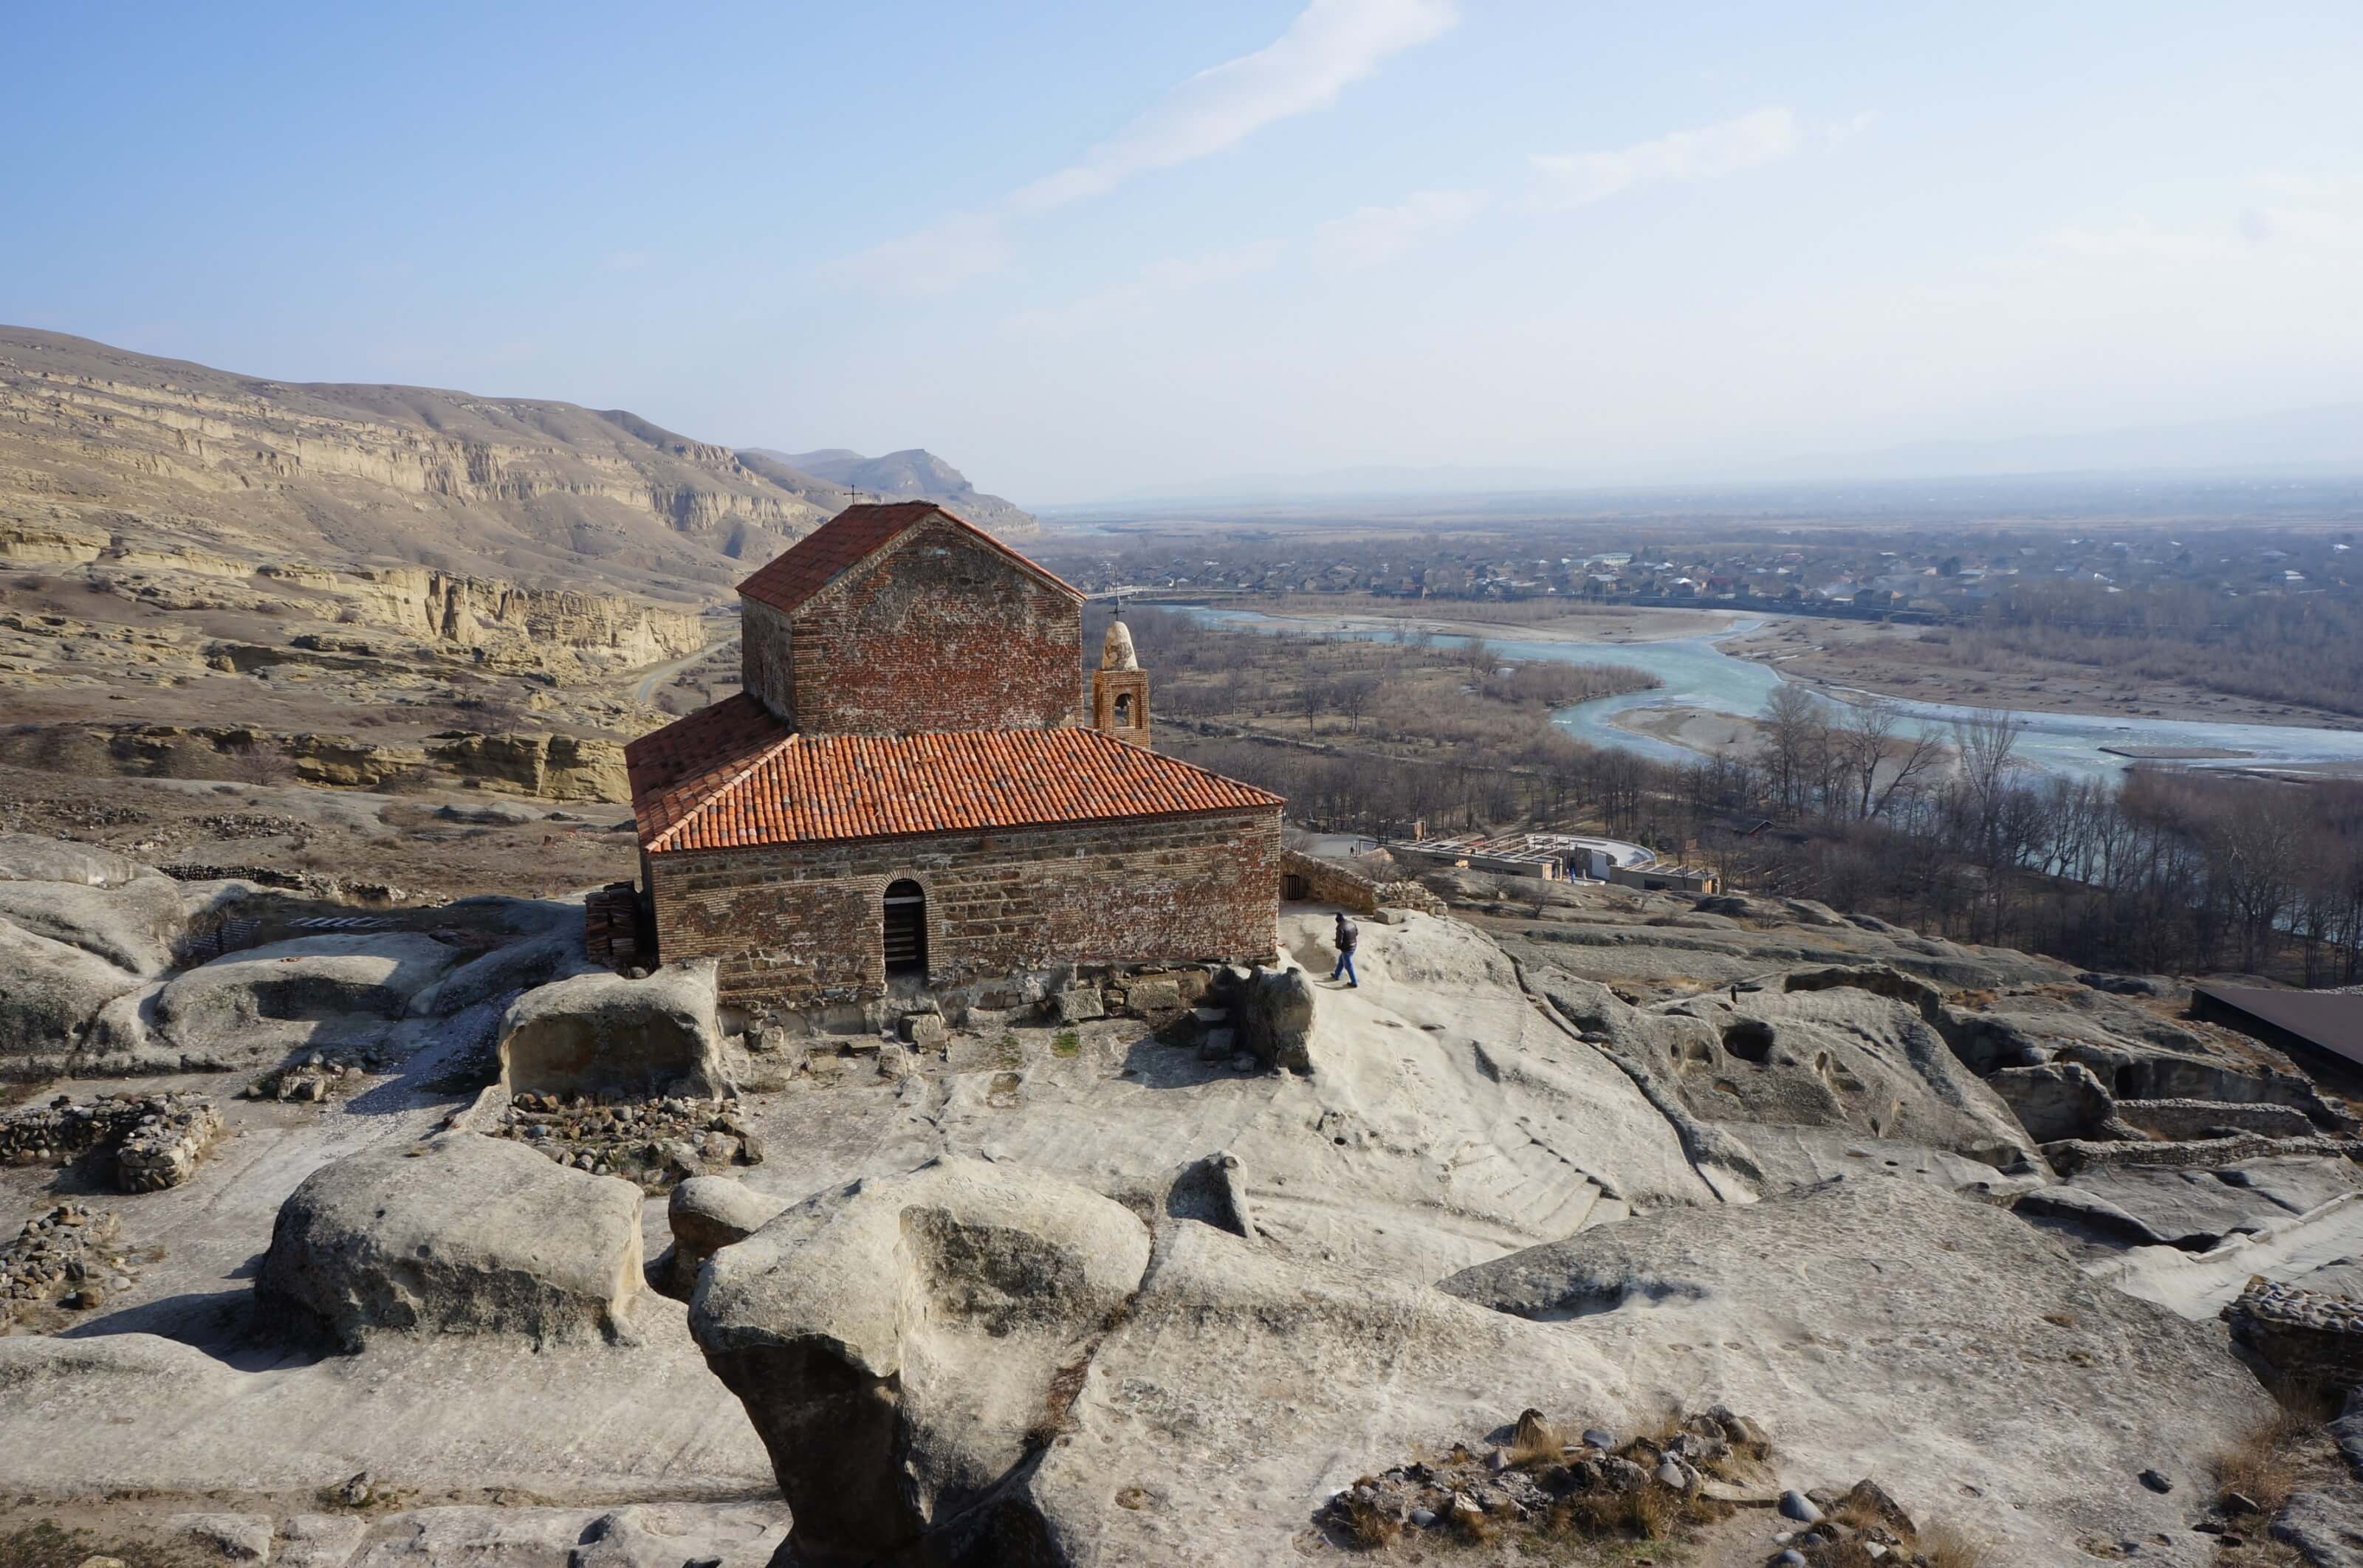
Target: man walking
[(1349, 935)]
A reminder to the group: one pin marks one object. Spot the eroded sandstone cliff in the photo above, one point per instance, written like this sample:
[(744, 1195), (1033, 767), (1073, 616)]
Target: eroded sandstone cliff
[(99, 446)]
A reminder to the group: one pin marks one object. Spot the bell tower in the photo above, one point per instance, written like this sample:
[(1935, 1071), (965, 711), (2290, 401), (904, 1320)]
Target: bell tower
[(1120, 687)]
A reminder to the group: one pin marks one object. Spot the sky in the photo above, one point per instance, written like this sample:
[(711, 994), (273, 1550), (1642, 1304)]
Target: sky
[(1083, 250)]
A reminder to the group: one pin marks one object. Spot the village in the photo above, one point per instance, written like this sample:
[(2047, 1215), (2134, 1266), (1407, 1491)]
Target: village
[(1921, 572)]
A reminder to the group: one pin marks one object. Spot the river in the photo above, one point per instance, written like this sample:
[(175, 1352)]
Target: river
[(1698, 674)]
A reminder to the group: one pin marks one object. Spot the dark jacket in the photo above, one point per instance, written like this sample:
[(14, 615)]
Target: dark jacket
[(1350, 935)]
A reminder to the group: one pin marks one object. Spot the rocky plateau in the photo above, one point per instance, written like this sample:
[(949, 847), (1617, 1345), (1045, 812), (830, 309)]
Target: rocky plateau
[(1595, 1227)]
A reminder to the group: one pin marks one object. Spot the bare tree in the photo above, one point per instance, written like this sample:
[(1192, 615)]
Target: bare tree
[(1312, 698), (1865, 740), (1354, 695), (1793, 726), (1988, 746)]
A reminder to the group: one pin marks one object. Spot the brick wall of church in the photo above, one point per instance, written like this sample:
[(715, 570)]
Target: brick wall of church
[(944, 634), (766, 658), (797, 924)]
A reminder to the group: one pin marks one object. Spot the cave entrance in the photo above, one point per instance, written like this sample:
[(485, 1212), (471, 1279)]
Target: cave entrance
[(906, 928), (1749, 1040)]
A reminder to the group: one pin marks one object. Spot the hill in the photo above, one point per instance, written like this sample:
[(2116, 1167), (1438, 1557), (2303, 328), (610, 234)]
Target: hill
[(913, 474), (101, 448)]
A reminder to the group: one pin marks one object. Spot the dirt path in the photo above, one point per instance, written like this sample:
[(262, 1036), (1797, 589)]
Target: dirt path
[(644, 694)]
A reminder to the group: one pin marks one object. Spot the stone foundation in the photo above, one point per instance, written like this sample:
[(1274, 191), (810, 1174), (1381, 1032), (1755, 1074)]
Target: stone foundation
[(1308, 878), (67, 1256), (157, 1139), (2074, 1154), (2211, 1117), (163, 1149), (2302, 1335)]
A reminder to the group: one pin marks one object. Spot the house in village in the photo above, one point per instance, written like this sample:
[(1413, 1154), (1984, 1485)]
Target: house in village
[(914, 785)]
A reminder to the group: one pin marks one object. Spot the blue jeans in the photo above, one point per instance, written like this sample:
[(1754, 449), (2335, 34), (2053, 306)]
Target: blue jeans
[(1346, 967)]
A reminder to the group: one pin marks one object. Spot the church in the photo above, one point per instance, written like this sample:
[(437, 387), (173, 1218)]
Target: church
[(915, 785)]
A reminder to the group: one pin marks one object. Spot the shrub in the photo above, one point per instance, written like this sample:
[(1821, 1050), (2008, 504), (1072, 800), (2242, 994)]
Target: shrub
[(1366, 1525), (1943, 1546), (2262, 1466)]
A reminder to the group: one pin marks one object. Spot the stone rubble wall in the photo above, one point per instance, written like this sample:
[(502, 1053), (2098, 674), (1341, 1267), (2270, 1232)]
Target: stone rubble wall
[(69, 1254), (2070, 1155), (163, 1149), (2303, 1335), (653, 1142), (1327, 882), (158, 1139), (2198, 1118)]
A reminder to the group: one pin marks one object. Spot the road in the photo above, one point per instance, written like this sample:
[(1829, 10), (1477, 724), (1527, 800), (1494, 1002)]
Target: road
[(644, 694)]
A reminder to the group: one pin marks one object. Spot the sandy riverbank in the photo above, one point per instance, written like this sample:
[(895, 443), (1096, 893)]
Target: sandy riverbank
[(1920, 664), (1613, 625), (1701, 730)]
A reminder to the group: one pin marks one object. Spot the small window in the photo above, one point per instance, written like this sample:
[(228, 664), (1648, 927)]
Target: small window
[(906, 928), (1123, 711)]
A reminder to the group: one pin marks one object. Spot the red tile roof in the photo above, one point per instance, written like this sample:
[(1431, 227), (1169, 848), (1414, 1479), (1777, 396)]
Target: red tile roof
[(731, 776), (852, 537), (677, 768)]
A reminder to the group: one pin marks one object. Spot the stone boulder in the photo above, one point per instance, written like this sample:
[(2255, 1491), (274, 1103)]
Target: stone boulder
[(903, 1345), (2056, 1100), (488, 813), (1274, 1014), (29, 858), (461, 1234), (50, 994), (601, 1034), (308, 982), (106, 1370), (137, 925), (548, 767), (532, 960), (707, 1214)]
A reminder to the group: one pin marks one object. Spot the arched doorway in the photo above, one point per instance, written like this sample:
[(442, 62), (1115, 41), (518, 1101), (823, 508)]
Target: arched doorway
[(906, 928)]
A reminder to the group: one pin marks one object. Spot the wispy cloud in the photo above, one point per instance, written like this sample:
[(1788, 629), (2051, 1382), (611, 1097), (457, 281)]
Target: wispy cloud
[(1331, 44), (2138, 239), (1837, 133), (1156, 281), (2314, 210), (2300, 218), (1576, 178), (935, 260), (1369, 236)]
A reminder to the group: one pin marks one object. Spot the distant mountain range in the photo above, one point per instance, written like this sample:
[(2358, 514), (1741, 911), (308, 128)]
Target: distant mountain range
[(914, 474), (2320, 440), (102, 446)]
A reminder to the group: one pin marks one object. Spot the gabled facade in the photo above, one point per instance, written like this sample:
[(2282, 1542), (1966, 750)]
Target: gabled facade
[(903, 620)]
